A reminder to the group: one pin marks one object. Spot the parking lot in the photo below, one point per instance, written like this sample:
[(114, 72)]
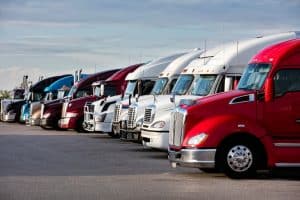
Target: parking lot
[(39, 164)]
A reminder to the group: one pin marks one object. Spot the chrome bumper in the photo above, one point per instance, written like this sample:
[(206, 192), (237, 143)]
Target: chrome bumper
[(34, 122), (9, 117), (195, 158)]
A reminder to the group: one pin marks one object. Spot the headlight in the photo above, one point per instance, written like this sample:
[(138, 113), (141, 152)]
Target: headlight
[(70, 114), (100, 118), (69, 105), (159, 124), (197, 139), (47, 115)]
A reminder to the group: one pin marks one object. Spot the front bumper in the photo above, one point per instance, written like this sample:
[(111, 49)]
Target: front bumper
[(105, 127), (9, 117), (130, 134), (155, 139), (195, 158), (49, 122), (67, 123), (34, 122)]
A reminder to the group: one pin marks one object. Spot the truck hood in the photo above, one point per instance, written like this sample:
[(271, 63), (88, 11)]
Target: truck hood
[(107, 100)]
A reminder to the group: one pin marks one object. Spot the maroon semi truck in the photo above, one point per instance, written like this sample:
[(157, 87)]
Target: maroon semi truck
[(51, 112), (73, 109)]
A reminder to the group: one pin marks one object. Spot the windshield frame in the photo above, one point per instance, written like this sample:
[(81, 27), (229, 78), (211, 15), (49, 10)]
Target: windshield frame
[(246, 76)]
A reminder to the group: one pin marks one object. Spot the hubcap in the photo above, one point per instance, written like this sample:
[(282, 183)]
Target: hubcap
[(239, 158)]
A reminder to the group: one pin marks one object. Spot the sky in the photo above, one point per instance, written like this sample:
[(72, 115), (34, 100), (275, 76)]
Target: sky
[(52, 37)]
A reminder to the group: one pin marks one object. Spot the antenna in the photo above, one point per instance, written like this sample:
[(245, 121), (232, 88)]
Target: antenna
[(237, 52), (204, 52)]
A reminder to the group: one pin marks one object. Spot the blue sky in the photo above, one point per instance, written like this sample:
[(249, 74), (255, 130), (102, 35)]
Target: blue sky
[(58, 36)]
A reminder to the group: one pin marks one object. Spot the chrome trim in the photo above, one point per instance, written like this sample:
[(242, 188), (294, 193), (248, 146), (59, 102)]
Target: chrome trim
[(177, 126), (288, 144), (132, 114), (195, 158), (251, 99), (287, 164)]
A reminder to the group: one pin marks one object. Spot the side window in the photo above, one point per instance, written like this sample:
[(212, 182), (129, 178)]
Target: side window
[(286, 81), (147, 87)]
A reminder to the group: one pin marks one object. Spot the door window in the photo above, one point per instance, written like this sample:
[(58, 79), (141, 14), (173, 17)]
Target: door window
[(287, 80)]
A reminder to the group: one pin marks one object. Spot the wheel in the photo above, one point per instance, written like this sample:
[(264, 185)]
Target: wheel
[(238, 159), (113, 135), (80, 128)]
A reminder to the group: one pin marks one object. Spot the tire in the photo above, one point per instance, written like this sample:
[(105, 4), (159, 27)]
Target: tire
[(113, 135), (79, 127), (238, 159)]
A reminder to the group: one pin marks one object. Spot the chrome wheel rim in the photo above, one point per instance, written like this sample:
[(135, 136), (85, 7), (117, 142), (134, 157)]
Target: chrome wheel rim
[(239, 158)]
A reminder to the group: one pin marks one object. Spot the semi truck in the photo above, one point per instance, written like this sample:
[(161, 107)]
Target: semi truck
[(16, 95), (19, 111), (143, 80), (112, 88), (163, 86), (82, 92), (215, 71), (254, 127), (57, 90), (51, 110)]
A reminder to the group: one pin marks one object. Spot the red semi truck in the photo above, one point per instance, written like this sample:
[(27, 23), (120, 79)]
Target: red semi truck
[(72, 116), (256, 126)]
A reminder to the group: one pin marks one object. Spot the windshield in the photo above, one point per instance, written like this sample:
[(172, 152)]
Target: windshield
[(203, 84), (61, 94), (131, 85), (109, 90), (72, 91), (183, 84), (254, 76), (159, 86)]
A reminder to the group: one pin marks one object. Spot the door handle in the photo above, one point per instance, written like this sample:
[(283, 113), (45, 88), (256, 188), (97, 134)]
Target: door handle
[(297, 120)]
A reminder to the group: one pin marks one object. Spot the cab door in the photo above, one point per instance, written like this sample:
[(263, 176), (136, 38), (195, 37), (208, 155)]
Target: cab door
[(281, 116)]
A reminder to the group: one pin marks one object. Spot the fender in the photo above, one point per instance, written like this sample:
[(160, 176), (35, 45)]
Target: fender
[(220, 127)]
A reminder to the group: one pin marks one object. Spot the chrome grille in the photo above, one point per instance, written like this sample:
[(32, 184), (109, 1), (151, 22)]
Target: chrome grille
[(177, 125), (64, 109), (131, 123), (42, 110), (117, 112), (149, 114), (89, 109)]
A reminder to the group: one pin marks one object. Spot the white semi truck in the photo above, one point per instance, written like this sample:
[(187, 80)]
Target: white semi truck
[(139, 83), (216, 70), (131, 130)]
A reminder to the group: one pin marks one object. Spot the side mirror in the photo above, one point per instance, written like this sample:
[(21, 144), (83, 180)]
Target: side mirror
[(172, 98), (101, 90), (129, 99), (136, 97), (269, 91)]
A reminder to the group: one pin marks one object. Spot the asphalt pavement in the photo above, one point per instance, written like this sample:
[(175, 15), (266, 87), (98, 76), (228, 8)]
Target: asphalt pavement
[(36, 164)]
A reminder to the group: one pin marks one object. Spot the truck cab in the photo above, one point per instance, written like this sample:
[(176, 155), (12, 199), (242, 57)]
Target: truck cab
[(143, 79), (163, 86), (57, 90), (217, 70), (80, 93), (253, 127), (17, 95), (95, 113)]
